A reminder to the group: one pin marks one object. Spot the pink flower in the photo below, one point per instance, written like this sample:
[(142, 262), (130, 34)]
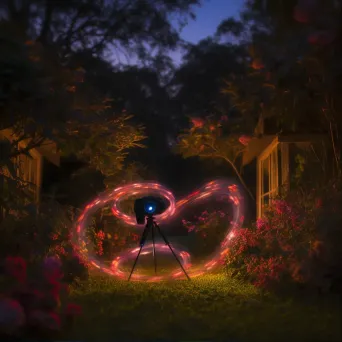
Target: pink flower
[(197, 122), (101, 235), (54, 237), (261, 223), (191, 228), (16, 267), (281, 207)]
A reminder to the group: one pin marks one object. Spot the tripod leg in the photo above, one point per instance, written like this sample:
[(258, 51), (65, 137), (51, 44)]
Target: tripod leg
[(135, 263), (154, 250), (142, 243), (172, 251)]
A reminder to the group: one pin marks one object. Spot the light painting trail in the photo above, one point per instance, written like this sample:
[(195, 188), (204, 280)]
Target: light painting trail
[(216, 188)]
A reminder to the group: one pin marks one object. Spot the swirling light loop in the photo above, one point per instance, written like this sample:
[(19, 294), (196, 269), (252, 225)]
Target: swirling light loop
[(224, 188)]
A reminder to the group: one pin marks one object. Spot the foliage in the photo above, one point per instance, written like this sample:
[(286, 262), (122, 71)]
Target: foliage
[(198, 81), (293, 77), (113, 242), (96, 25), (209, 139), (35, 301), (34, 83), (104, 142), (294, 243), (34, 234), (205, 139)]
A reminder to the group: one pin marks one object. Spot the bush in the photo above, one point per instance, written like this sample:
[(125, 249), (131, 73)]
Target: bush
[(34, 235), (35, 232), (296, 242), (34, 299)]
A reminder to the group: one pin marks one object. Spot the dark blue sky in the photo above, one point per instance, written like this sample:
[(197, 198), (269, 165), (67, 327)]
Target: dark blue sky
[(209, 16)]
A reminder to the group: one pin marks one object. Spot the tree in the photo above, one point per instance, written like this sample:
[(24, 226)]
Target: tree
[(199, 79), (42, 99), (295, 68), (71, 33), (207, 139), (103, 144), (95, 25)]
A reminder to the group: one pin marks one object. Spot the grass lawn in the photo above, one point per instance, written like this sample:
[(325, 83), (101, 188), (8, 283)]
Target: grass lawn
[(208, 308)]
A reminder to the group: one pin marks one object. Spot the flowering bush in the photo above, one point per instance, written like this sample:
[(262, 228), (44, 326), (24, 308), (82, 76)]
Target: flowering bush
[(295, 241), (34, 301), (33, 234), (106, 244)]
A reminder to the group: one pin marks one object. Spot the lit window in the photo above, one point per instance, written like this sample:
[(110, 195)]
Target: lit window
[(272, 173)]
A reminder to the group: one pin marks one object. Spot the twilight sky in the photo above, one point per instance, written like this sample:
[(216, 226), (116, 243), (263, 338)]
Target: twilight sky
[(208, 17)]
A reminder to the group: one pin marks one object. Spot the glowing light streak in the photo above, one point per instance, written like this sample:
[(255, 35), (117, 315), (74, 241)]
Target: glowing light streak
[(221, 189)]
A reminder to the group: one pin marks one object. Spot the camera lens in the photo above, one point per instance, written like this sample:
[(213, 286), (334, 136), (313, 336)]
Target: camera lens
[(150, 207)]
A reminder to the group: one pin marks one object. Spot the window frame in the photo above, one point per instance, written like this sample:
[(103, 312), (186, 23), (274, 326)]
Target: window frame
[(29, 169), (275, 171)]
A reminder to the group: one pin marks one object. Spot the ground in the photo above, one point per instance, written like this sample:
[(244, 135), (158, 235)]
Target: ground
[(213, 307)]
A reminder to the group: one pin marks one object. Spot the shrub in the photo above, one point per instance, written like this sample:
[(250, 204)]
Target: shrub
[(35, 232), (34, 300), (296, 242), (34, 235), (106, 244)]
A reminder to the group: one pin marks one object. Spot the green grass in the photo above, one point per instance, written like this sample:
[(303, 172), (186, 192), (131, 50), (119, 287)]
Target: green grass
[(208, 308)]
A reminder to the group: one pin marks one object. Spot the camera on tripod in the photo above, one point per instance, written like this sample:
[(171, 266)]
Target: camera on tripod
[(148, 206), (144, 208)]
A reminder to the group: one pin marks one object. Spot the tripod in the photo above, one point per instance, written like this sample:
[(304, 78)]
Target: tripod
[(152, 226)]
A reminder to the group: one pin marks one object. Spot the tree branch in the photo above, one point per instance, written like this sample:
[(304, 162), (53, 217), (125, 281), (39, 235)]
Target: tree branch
[(238, 174), (43, 36)]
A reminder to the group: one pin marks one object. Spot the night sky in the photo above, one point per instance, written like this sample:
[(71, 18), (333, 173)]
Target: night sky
[(208, 17)]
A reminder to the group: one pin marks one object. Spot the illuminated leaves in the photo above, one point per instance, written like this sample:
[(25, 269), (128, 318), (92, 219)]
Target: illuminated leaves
[(104, 142), (206, 140)]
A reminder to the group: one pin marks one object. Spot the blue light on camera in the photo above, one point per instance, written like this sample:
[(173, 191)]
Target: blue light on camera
[(150, 208)]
